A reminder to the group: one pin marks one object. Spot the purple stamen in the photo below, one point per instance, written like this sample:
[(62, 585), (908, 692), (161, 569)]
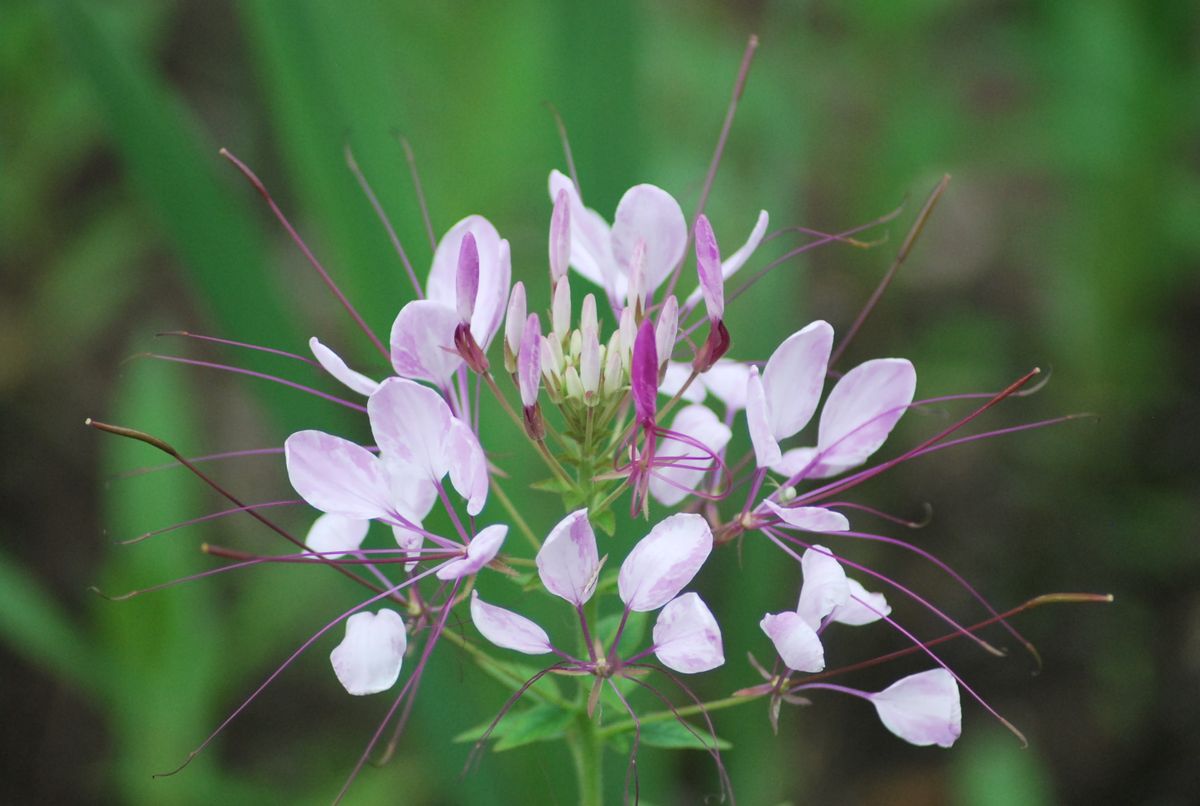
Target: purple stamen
[(195, 362)]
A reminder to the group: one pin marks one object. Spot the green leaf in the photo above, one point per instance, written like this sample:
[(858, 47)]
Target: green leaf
[(632, 638), (605, 521), (541, 723), (552, 485), (673, 735)]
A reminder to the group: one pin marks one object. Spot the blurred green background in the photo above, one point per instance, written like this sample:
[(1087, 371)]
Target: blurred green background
[(1069, 239)]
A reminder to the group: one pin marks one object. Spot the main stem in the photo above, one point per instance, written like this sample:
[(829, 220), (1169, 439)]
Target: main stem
[(588, 753)]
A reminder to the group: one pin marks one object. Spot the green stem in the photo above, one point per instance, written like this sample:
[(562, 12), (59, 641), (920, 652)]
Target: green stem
[(515, 514), (588, 754)]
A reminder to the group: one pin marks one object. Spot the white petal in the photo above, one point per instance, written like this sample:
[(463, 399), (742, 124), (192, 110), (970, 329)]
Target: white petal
[(468, 466), (335, 475), (727, 380), (480, 551), (332, 363), (413, 491), (674, 379), (495, 272), (368, 659), (863, 408), (648, 214), (333, 536), (591, 253), (738, 259), (825, 587), (422, 342), (811, 519), (796, 642), (410, 541), (568, 561), (922, 709), (794, 377), (507, 629), (670, 485), (863, 606), (411, 422), (686, 636), (664, 561), (758, 422)]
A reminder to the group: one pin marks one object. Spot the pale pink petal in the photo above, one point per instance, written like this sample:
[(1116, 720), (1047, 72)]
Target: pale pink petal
[(671, 484), (492, 302), (805, 462), (368, 659), (796, 642), (811, 519), (708, 269), (529, 362), (560, 236), (467, 278), (664, 561), (409, 540), (508, 630), (591, 254), (794, 377), (863, 606), (727, 380), (468, 466), (335, 475), (922, 709), (514, 323), (686, 636), (863, 408), (649, 215), (413, 491), (412, 423), (480, 551), (442, 283), (422, 342), (332, 363), (758, 422), (667, 329), (643, 373), (825, 587), (739, 258), (333, 536), (568, 561), (674, 379)]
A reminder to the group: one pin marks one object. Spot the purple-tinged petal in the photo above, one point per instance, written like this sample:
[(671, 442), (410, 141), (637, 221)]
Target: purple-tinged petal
[(671, 484), (409, 540), (413, 491), (480, 551), (758, 422), (335, 475), (649, 215), (529, 362), (794, 377), (664, 561), (368, 659), (863, 606), (825, 588), (922, 709), (332, 363), (334, 536), (708, 267), (467, 278), (863, 408), (674, 379), (507, 629), (796, 642), (422, 342), (801, 461), (568, 561), (560, 310), (811, 519), (667, 329), (591, 253), (514, 324), (493, 295), (589, 355), (727, 380), (560, 236), (644, 373), (411, 422), (495, 273), (739, 258), (686, 636), (468, 466)]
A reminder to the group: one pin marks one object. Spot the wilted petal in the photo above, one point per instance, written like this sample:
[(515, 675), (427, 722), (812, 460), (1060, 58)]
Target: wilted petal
[(468, 466), (708, 268), (480, 551), (811, 519), (825, 587), (422, 342), (649, 215), (922, 709), (794, 376), (335, 475), (508, 630), (591, 253), (863, 606), (674, 379), (333, 536), (568, 561), (672, 483), (863, 408), (686, 636), (758, 422), (332, 363), (795, 641), (412, 423), (664, 561), (727, 380), (368, 659)]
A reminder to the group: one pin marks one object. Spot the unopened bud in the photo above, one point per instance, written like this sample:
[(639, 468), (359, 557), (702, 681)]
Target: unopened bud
[(613, 367), (589, 361), (587, 315), (467, 278), (529, 362), (571, 384), (628, 330), (708, 268), (643, 377), (667, 330), (514, 326), (560, 309), (560, 237)]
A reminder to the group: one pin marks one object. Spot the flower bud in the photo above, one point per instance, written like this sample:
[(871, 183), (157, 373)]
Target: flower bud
[(628, 330), (514, 326), (589, 361), (560, 238), (529, 362), (587, 315), (467, 278), (613, 367), (572, 386), (708, 267), (643, 376), (667, 330), (560, 309)]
